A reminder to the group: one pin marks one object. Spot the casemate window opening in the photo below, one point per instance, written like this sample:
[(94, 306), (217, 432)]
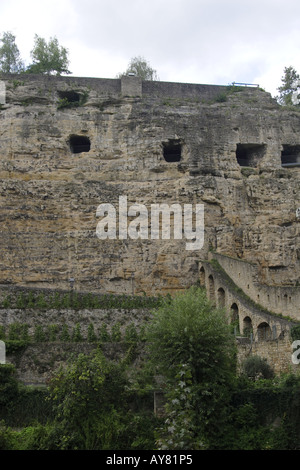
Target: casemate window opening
[(79, 143), (249, 154), (172, 150), (290, 156)]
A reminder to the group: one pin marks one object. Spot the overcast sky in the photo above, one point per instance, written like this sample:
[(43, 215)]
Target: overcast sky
[(192, 41)]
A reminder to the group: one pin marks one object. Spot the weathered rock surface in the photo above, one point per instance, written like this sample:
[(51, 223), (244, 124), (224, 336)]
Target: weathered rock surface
[(49, 194)]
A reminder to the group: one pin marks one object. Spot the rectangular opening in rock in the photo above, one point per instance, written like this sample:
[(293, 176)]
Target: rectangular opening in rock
[(172, 150), (249, 154), (79, 144), (290, 155)]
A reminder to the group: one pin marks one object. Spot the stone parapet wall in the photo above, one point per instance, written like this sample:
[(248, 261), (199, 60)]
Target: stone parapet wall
[(283, 300), (225, 294)]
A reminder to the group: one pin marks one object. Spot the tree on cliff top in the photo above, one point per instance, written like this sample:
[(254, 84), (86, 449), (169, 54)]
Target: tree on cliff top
[(48, 58), (287, 88), (10, 61), (140, 68)]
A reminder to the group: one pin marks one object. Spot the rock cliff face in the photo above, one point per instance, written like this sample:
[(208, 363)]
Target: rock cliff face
[(68, 145)]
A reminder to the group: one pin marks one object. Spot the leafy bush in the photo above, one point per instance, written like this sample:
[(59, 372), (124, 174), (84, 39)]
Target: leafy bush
[(189, 330), (91, 404), (256, 367)]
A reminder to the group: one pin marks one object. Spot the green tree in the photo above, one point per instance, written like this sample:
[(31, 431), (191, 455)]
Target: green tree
[(189, 329), (286, 89), (48, 58), (140, 68), (89, 399), (189, 336), (10, 60)]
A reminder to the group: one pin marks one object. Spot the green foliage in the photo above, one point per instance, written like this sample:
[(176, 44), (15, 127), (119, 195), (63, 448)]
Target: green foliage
[(264, 415), (39, 303), (116, 334), (64, 336), (76, 334), (91, 337), (68, 102), (295, 332), (2, 332), (95, 404), (20, 301), (286, 90), (9, 386), (64, 103), (7, 437), (255, 367), (179, 430), (90, 399), (190, 334), (10, 61), (103, 333), (39, 334), (131, 334), (140, 68), (245, 431), (48, 58), (52, 333), (189, 330), (77, 301), (221, 98)]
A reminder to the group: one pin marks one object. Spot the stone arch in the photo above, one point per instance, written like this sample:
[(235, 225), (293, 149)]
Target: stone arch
[(264, 331), (234, 317), (247, 326), (221, 297), (202, 276), (211, 288)]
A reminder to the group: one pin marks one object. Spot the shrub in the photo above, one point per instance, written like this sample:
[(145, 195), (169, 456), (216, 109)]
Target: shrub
[(255, 367)]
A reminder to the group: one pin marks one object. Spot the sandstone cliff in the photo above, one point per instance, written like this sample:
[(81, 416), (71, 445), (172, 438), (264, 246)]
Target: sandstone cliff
[(69, 144)]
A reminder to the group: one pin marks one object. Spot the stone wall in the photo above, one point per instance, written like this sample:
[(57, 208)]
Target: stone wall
[(278, 354), (39, 362), (70, 317)]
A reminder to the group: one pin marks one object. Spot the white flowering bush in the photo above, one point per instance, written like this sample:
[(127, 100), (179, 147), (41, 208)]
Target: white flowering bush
[(178, 431)]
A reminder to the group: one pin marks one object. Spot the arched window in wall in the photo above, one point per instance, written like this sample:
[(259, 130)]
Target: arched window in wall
[(264, 332), (211, 288), (221, 297), (202, 276), (234, 318), (247, 326)]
